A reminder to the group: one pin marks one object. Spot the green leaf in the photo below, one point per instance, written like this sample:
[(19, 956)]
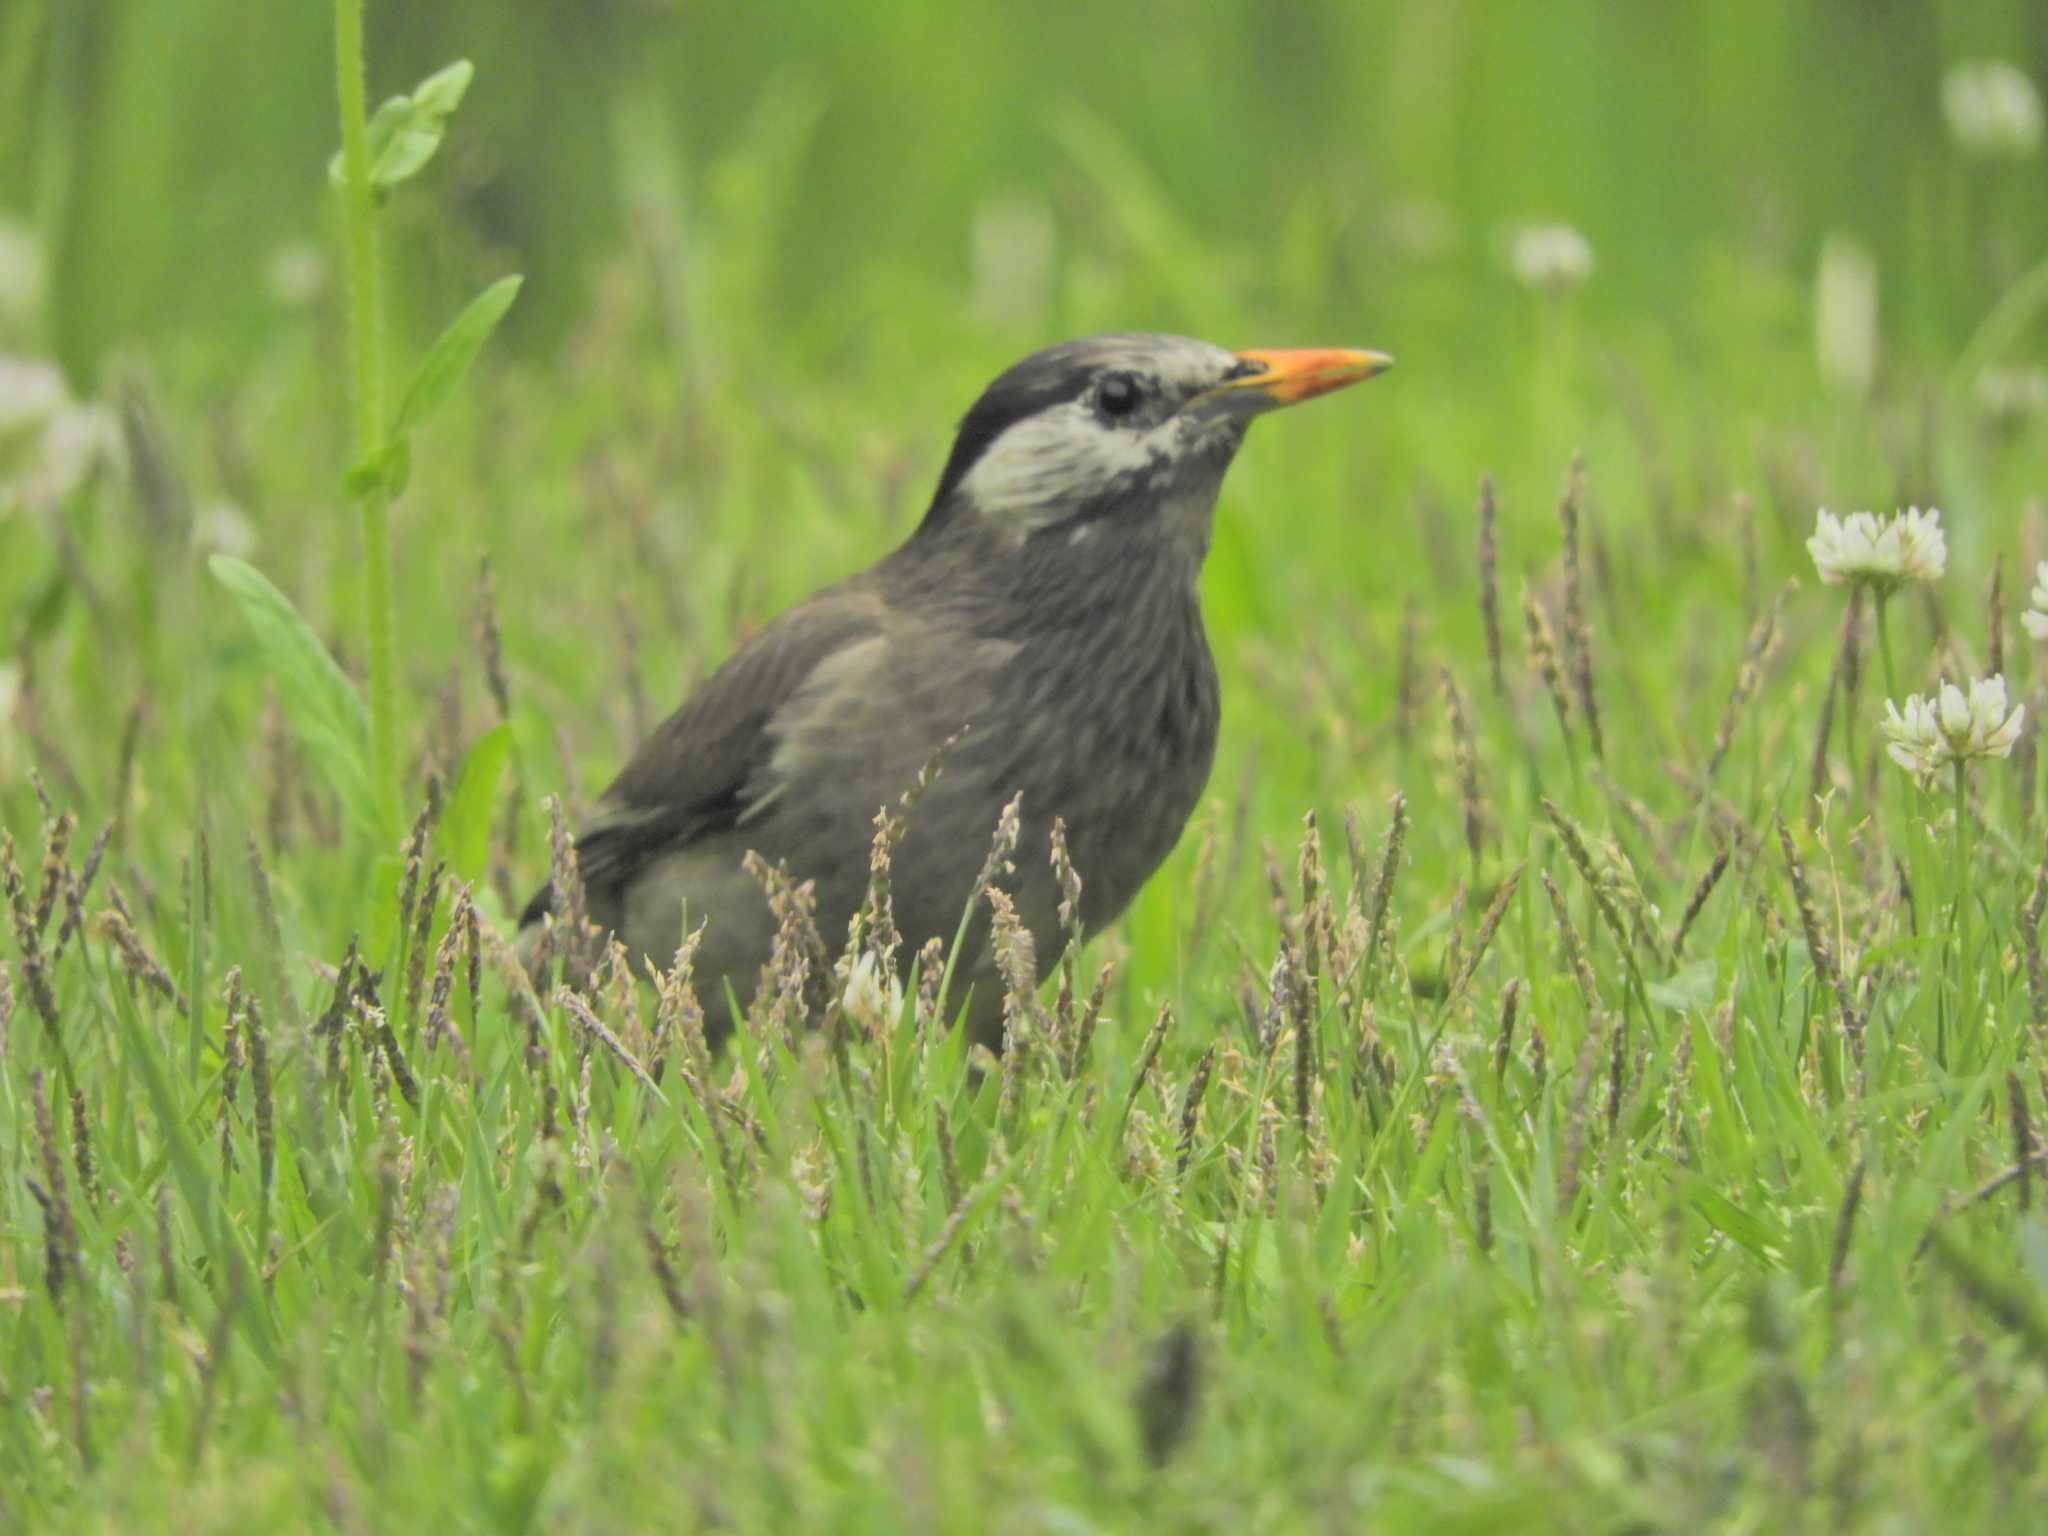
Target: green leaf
[(1731, 1220), (466, 822), (388, 470), (1690, 986), (406, 131), (442, 91), (318, 698), (449, 358)]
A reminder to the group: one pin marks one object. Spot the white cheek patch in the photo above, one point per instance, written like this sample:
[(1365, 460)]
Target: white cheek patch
[(1039, 470)]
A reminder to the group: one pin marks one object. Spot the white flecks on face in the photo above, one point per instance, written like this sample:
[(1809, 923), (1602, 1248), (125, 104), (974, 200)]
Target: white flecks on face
[(1042, 469)]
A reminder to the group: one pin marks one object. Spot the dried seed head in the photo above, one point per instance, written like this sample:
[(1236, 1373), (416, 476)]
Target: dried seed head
[(1504, 1038), (230, 1069), (422, 935), (1488, 926), (1009, 827), (1407, 674), (1465, 758), (136, 960), (56, 867), (1756, 655), (1608, 890), (440, 994), (375, 1026), (81, 1150), (1994, 619), (1698, 903), (266, 1109), (1391, 849), (571, 934), (588, 1021), (1191, 1110), (1069, 881), (1091, 1015), (1574, 948), (1148, 1056), (1825, 966), (931, 975), (1578, 633), (1544, 659), (413, 853), (1489, 581), (60, 1230)]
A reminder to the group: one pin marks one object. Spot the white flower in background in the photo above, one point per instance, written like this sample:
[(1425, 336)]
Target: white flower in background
[(1551, 258), (295, 274), (222, 528), (870, 1000), (1012, 246), (1992, 109), (1929, 735), (1861, 548), (1845, 316), (2036, 616), (2013, 393), (31, 392), (49, 443)]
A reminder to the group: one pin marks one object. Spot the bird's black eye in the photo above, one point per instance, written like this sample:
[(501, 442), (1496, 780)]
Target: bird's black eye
[(1117, 394)]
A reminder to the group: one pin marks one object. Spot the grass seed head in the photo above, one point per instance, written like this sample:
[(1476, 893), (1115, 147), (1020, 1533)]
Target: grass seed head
[(1489, 581)]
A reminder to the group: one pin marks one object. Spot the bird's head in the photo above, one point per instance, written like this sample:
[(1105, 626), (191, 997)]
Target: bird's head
[(1117, 434)]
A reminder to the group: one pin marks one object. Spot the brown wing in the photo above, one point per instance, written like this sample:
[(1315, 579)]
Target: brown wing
[(696, 774)]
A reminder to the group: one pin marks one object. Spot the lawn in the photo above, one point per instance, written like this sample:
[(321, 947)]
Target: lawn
[(1572, 1074)]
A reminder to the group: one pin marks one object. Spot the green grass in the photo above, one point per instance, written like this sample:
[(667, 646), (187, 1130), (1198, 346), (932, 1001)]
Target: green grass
[(1685, 1254)]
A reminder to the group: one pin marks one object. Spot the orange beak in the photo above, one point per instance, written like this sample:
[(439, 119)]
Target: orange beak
[(1288, 376)]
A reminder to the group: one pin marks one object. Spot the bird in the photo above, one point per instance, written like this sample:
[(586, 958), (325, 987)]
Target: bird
[(1041, 626)]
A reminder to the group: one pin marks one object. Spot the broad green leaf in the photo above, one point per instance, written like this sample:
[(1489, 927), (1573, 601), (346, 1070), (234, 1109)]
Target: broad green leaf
[(466, 822), (449, 358), (318, 698), (442, 91), (405, 131)]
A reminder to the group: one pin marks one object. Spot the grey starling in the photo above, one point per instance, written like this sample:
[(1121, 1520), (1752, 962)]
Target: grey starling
[(1045, 613)]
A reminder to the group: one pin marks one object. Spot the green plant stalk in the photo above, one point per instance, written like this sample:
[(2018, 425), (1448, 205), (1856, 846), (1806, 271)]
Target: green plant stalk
[(1966, 975), (1884, 642), (367, 408)]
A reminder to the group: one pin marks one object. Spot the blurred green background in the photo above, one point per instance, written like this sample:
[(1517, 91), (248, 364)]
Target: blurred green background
[(1358, 161)]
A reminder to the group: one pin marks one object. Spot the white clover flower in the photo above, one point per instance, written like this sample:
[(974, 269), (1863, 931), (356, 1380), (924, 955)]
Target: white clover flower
[(1552, 258), (31, 392), (49, 443), (2036, 616), (1859, 548), (870, 999), (1992, 109), (1929, 735)]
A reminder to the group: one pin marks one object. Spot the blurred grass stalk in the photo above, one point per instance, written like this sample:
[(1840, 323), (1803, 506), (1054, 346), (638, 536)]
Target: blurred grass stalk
[(366, 397)]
